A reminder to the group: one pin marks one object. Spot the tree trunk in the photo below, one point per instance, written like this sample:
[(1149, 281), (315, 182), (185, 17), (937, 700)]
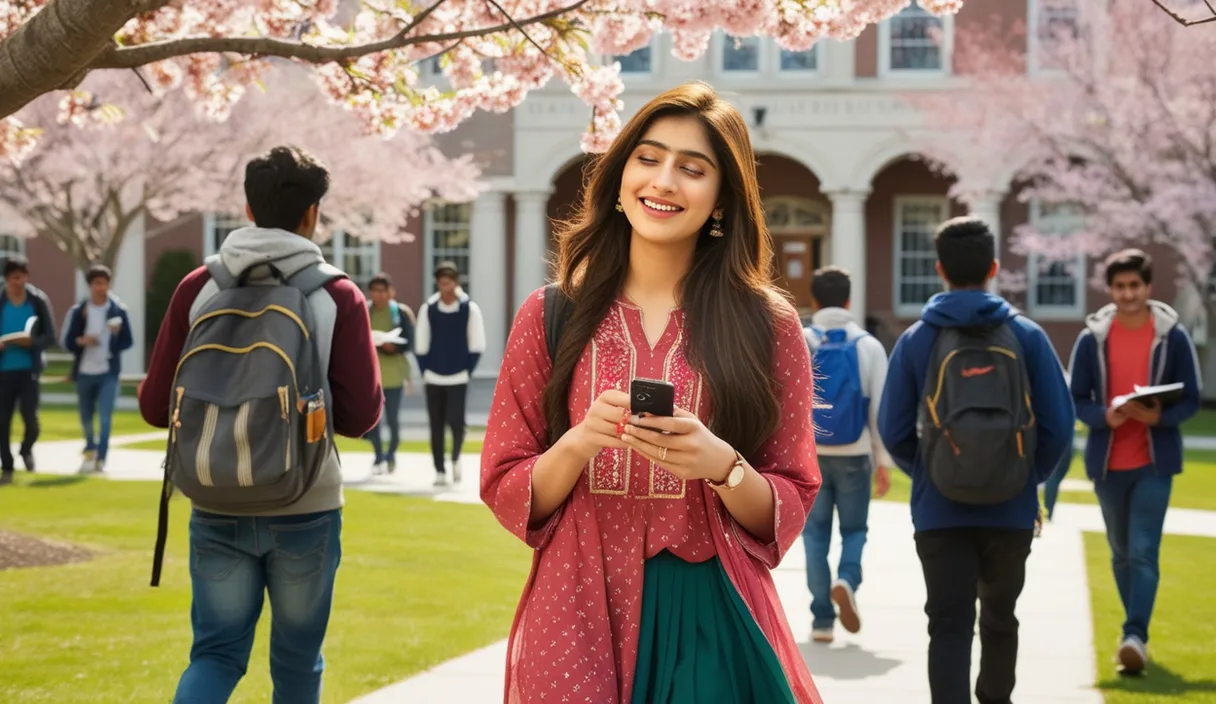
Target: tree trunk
[(53, 49)]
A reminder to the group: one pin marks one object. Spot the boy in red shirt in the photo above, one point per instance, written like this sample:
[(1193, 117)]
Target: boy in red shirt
[(1134, 451)]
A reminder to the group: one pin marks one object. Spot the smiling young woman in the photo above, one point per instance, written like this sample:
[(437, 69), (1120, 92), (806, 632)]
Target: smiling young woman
[(651, 577)]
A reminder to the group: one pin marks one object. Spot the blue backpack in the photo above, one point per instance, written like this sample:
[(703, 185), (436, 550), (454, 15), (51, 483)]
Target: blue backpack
[(838, 383)]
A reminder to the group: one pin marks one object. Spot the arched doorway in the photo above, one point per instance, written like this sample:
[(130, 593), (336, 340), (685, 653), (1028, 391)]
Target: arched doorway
[(800, 229)]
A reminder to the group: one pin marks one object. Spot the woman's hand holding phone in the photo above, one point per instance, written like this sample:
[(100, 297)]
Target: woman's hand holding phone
[(599, 428)]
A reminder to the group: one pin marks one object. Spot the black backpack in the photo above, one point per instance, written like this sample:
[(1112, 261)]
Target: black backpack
[(977, 429)]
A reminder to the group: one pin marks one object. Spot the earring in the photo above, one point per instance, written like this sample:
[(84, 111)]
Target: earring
[(715, 230), (619, 208)]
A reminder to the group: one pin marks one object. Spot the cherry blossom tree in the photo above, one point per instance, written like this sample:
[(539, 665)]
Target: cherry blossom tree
[(1118, 122), (367, 53), (92, 178)]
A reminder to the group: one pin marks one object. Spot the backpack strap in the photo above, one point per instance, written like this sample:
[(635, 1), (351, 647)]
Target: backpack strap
[(558, 308), (219, 273), (314, 276)]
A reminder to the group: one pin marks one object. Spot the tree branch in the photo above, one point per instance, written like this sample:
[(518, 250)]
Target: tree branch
[(53, 48), (1184, 21), (129, 57)]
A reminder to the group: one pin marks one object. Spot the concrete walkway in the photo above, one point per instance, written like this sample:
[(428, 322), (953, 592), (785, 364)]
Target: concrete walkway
[(886, 662)]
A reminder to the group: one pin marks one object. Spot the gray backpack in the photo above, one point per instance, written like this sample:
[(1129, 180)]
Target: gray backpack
[(249, 429), (977, 430)]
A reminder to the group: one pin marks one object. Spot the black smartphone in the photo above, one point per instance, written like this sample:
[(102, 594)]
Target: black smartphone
[(653, 396)]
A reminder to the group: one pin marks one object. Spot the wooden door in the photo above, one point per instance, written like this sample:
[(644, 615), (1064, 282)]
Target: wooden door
[(797, 259)]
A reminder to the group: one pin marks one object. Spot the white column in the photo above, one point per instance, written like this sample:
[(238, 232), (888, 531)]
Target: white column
[(531, 241), (131, 287), (849, 245), (837, 61), (488, 275), (987, 207)]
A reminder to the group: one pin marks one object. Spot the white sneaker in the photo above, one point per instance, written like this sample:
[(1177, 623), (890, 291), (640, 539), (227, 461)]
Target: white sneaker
[(456, 471), (823, 635), (846, 606), (441, 479), (99, 466), (377, 468), (1133, 654), (88, 465)]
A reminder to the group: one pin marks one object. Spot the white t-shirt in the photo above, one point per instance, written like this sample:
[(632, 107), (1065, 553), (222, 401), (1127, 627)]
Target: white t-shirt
[(96, 360)]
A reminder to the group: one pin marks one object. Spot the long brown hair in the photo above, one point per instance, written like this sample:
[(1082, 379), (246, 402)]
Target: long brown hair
[(727, 296)]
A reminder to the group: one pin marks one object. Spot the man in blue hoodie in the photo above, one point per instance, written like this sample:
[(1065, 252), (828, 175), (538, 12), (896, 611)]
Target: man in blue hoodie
[(1133, 451), (970, 547), (96, 331)]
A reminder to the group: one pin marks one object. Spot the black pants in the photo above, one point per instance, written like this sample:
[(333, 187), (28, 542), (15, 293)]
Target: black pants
[(17, 389), (445, 406), (961, 564)]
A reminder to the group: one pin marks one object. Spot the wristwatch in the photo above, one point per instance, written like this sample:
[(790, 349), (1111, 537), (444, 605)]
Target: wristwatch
[(734, 477)]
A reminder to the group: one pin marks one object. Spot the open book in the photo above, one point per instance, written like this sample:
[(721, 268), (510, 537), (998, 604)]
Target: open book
[(27, 332), (1165, 394), (379, 337)]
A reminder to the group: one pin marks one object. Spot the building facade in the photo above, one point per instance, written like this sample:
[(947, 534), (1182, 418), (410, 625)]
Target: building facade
[(840, 179)]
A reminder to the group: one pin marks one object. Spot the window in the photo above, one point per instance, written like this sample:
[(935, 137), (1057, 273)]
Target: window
[(217, 227), (11, 245), (1054, 22), (447, 239), (1055, 288), (914, 42), (916, 280), (740, 54), (637, 62), (359, 258), (799, 61)]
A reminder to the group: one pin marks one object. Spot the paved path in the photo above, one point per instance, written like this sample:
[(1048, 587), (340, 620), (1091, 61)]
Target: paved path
[(886, 662)]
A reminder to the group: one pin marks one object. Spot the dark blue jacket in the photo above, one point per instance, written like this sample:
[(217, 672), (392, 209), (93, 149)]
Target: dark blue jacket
[(904, 390), (74, 327), (1173, 360)]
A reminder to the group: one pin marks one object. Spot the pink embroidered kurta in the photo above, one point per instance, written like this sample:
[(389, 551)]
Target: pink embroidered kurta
[(575, 634)]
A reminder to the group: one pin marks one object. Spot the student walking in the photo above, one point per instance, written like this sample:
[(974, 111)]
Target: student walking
[(1134, 450), (96, 331), (977, 412), (851, 368), (393, 328), (449, 340), (25, 314), (265, 353), (655, 534)]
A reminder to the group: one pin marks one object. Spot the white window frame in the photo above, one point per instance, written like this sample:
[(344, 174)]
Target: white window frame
[(655, 68), (902, 309), (719, 57), (884, 51), (1033, 262), (429, 259), (17, 248), (786, 74), (213, 222), (1033, 42), (338, 248)]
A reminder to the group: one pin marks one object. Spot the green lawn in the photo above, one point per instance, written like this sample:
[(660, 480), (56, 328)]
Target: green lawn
[(95, 632), (63, 423), (1183, 628), (344, 445), (1194, 488)]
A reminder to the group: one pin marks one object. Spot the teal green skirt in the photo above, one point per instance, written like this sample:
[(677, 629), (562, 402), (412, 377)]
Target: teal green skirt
[(699, 642)]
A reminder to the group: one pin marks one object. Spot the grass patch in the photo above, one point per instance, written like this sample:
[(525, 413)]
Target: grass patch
[(95, 632), (1183, 628), (63, 423), (345, 444), (1194, 488)]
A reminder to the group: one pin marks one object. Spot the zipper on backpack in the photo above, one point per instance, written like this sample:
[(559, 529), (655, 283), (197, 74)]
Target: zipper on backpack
[(946, 433), (177, 414), (1021, 448), (284, 406)]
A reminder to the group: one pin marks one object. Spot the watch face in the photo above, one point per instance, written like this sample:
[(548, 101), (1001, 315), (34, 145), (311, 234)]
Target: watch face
[(736, 476)]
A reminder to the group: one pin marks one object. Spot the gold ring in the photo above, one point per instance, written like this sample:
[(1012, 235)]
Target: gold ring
[(663, 456)]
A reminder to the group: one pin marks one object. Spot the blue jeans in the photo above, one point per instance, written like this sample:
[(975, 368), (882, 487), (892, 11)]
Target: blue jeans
[(846, 489), (392, 413), (1133, 507), (97, 392), (234, 562)]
